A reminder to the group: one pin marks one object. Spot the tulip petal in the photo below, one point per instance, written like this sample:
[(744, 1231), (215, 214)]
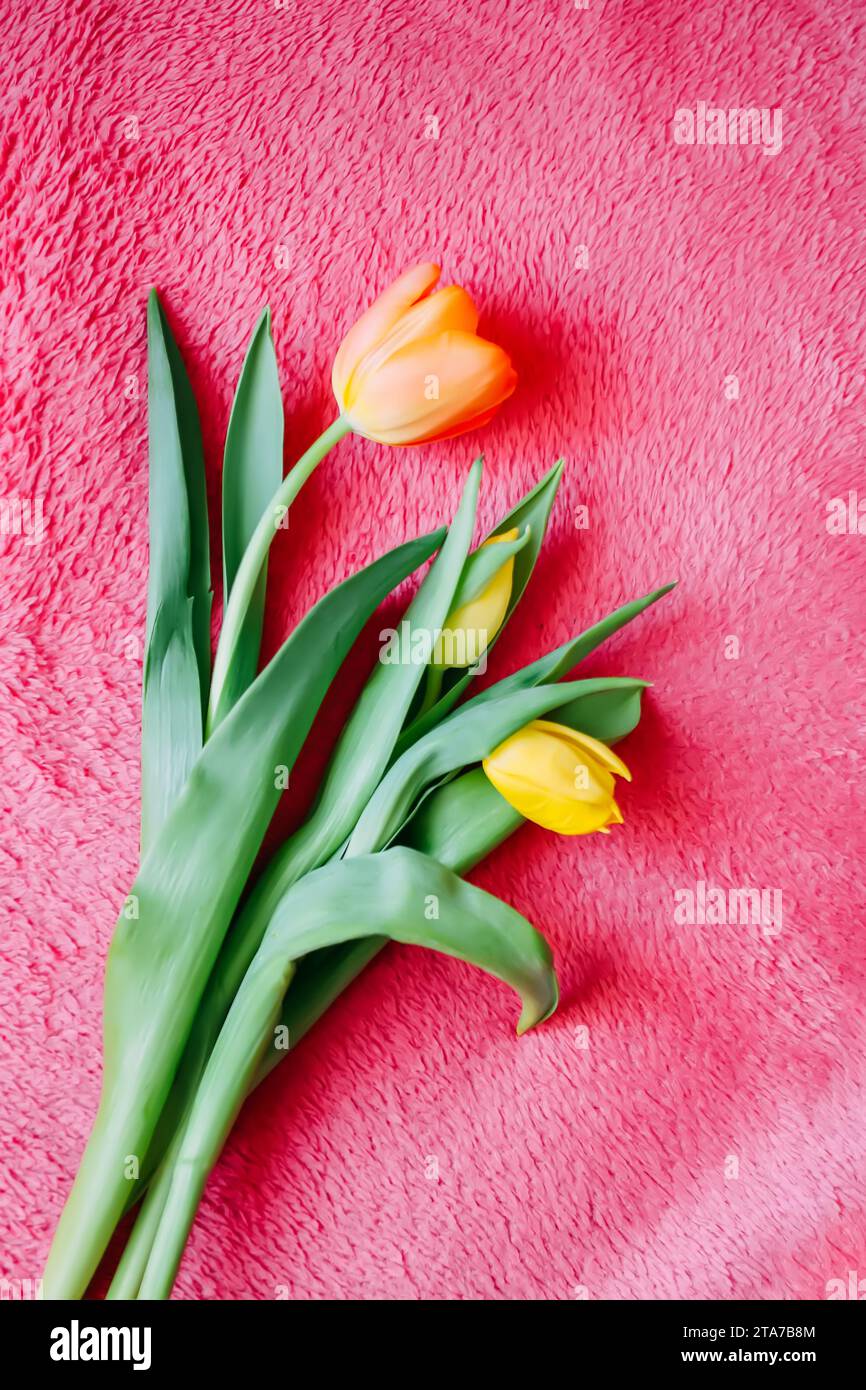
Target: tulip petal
[(377, 321), (586, 743), (562, 814), (475, 422), (449, 309), (468, 377)]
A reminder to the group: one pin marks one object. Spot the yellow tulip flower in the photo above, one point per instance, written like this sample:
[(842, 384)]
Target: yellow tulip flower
[(558, 778), (413, 369), (469, 629)]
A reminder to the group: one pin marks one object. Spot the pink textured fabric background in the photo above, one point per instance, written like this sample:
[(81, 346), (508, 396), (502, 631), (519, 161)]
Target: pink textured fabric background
[(233, 154)]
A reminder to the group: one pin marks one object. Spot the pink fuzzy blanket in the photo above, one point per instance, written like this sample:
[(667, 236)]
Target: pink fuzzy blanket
[(659, 208)]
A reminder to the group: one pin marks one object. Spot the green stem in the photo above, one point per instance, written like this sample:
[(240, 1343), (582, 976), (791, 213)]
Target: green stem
[(238, 951), (295, 858), (253, 558), (432, 690), (229, 1074), (97, 1200), (130, 1270)]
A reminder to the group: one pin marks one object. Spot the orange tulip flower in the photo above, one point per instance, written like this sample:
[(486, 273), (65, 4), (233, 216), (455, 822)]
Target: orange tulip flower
[(413, 369)]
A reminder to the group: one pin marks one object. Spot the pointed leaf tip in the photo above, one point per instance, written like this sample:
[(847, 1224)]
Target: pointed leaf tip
[(534, 1012)]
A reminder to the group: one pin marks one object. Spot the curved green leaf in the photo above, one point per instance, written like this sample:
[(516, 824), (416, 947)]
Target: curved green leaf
[(554, 665), (607, 715), (409, 897)]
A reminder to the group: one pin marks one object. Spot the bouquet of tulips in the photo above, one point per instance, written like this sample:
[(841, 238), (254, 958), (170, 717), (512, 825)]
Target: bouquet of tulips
[(212, 979)]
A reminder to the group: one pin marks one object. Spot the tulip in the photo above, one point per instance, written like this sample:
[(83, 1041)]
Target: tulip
[(472, 626), (413, 368), (559, 778)]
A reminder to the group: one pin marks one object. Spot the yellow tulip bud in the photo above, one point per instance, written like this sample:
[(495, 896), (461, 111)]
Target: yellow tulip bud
[(558, 778), (470, 628)]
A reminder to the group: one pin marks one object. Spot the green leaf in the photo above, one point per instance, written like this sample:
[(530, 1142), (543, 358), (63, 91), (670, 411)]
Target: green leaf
[(388, 894), (171, 714), (461, 822), (483, 564), (168, 504), (252, 472), (183, 899), (178, 594), (607, 715), (531, 513), (457, 822), (199, 580), (557, 663)]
